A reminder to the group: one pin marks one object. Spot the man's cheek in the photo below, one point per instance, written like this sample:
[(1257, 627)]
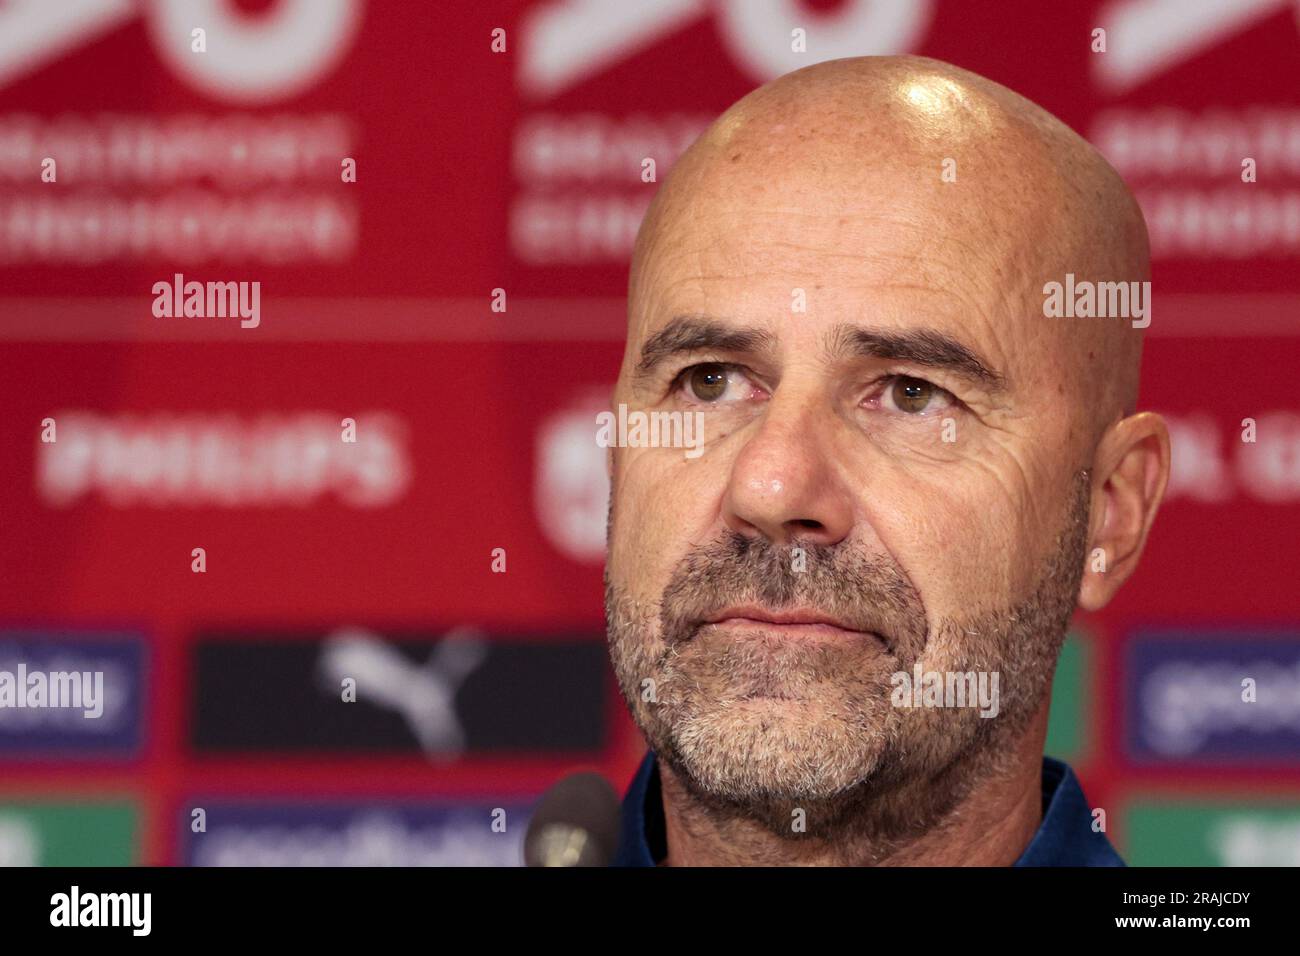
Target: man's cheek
[(661, 512), (970, 573), (957, 552), (672, 490)]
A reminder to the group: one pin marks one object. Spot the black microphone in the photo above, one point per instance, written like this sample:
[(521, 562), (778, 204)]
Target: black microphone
[(576, 824)]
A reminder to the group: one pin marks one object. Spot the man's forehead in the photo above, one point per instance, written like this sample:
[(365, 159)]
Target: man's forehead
[(892, 251), (803, 289)]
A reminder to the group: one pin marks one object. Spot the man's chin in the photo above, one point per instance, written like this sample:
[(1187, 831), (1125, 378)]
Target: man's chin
[(771, 749)]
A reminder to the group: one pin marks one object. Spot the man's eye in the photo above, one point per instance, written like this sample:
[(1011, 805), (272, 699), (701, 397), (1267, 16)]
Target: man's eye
[(915, 396), (707, 382)]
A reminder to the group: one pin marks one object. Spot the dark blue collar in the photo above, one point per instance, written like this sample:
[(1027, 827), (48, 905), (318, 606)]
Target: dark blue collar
[(1064, 838)]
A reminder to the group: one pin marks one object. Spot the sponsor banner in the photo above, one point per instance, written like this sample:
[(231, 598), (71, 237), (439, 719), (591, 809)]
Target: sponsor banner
[(259, 157), (195, 460), (62, 833), (384, 491), (1178, 832), (258, 470), (68, 694), (1253, 458), (1232, 512), (1188, 104), (356, 690), (351, 833), (571, 478), (262, 158), (1214, 697)]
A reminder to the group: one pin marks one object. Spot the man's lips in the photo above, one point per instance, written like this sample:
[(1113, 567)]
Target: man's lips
[(795, 623)]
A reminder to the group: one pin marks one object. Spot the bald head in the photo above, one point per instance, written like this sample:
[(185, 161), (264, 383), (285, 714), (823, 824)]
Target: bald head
[(937, 163)]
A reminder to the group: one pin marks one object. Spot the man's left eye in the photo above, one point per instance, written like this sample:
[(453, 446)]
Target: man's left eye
[(915, 396)]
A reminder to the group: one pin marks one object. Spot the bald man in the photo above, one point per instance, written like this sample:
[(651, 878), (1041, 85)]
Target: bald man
[(836, 617)]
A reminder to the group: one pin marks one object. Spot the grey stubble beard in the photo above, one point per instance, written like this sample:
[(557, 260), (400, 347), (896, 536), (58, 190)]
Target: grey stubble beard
[(860, 770)]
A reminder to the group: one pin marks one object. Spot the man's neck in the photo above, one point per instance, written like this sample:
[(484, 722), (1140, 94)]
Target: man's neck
[(990, 826)]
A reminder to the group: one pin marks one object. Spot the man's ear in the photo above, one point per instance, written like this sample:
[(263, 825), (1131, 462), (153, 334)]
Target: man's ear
[(1129, 478)]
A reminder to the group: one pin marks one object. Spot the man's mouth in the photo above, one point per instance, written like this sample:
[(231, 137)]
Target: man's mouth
[(794, 623)]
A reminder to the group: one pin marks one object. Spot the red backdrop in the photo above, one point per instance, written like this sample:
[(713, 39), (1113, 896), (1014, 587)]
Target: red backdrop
[(520, 170)]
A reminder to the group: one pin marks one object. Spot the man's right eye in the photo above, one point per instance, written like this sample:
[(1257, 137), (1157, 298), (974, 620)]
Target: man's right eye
[(710, 382)]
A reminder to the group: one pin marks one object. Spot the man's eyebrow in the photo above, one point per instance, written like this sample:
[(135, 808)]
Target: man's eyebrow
[(691, 333), (927, 347)]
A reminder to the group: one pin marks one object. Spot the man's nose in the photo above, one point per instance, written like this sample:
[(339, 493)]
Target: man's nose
[(784, 482)]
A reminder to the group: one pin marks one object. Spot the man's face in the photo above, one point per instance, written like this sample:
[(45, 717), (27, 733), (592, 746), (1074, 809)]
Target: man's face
[(901, 460)]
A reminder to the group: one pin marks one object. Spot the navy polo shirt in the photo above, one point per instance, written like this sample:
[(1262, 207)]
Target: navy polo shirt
[(1064, 838)]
